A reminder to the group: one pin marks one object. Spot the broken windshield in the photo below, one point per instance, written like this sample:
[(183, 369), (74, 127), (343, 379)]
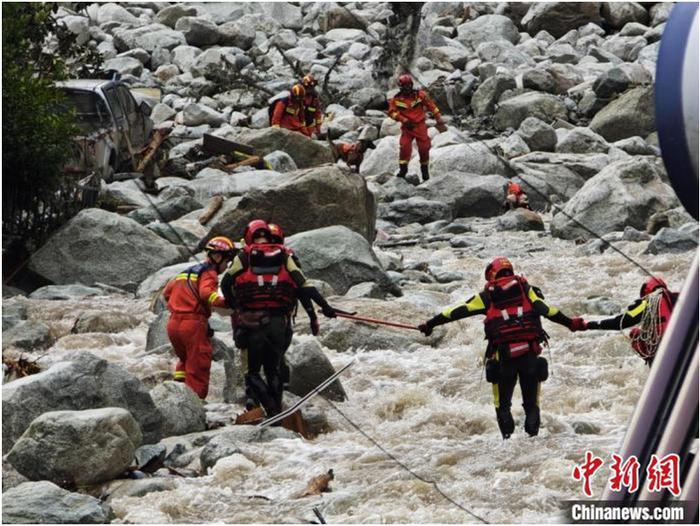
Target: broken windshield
[(90, 110)]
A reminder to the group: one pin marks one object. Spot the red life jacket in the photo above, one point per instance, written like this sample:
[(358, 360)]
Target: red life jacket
[(665, 310), (510, 318), (265, 283)]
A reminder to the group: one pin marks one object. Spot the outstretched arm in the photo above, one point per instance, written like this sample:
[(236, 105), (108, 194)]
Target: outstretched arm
[(631, 317), (474, 305)]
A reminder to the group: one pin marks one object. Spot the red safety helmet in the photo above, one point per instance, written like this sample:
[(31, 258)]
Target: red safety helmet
[(309, 81), (513, 188), (255, 226), (219, 245), (405, 81), (276, 234), (650, 285), (497, 266), (297, 91)]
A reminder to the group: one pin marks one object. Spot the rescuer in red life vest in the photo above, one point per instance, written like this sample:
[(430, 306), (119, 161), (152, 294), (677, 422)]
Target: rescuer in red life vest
[(263, 285), (515, 336), (652, 312), (191, 296), (408, 107)]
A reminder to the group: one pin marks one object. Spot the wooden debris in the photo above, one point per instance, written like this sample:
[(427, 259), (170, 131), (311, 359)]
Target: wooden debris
[(253, 416), (318, 484), (212, 208), (253, 160)]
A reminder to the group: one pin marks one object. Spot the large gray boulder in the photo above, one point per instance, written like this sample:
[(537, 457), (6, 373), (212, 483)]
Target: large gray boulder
[(168, 16), (236, 34), (548, 180), (582, 140), (630, 114), (304, 200), (558, 18), (148, 37), (584, 164), (305, 152), (196, 114), (165, 210), (617, 14), (100, 246), (338, 256), (309, 367), (43, 502), (78, 447), (626, 193), (216, 182), (83, 382), (180, 407), (30, 335), (227, 441), (538, 135), (198, 31), (486, 96), (475, 157), (670, 240), (74, 291), (515, 110), (116, 13), (414, 210), (520, 219), (487, 28), (467, 194)]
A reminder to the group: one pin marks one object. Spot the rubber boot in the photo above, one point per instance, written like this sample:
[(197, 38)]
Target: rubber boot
[(505, 422), (403, 170), (532, 420), (425, 172)]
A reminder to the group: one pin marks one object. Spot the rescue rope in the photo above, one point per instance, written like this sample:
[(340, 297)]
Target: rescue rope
[(404, 466), (649, 334)]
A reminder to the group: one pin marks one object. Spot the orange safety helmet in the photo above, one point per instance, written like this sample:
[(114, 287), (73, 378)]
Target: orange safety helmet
[(219, 245), (496, 266), (297, 91), (309, 81), (405, 81), (650, 285), (276, 233), (255, 226)]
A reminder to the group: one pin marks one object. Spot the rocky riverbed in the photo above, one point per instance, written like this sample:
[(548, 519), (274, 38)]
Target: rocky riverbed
[(555, 96)]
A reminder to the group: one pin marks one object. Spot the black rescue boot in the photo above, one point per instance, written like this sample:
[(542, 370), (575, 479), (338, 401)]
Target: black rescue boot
[(425, 172), (403, 170), (532, 420), (505, 422)]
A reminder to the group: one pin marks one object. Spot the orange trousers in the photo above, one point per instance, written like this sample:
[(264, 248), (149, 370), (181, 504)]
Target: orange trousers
[(419, 132), (188, 334)]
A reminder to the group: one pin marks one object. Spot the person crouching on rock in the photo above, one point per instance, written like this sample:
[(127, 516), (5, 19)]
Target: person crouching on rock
[(263, 284), (191, 296), (651, 312), (290, 113), (515, 197), (515, 337)]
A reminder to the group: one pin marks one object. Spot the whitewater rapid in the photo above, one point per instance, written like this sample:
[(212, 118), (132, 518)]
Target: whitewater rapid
[(429, 407)]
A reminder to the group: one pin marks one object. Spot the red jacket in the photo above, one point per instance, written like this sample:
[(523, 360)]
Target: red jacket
[(290, 115), (412, 107), (194, 291)]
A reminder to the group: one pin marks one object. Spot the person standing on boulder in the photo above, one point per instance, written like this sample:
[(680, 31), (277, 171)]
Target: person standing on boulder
[(263, 285), (313, 113), (515, 337), (191, 295), (651, 312), (289, 112), (409, 107)]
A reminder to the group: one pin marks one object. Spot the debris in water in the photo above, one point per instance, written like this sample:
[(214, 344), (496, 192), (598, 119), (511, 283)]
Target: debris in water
[(318, 484)]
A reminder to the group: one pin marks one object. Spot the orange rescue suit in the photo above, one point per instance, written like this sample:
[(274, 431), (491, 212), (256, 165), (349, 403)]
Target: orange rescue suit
[(191, 296), (409, 109), (291, 115)]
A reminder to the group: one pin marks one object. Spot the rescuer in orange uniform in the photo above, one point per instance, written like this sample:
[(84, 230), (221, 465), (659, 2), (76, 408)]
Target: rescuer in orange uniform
[(408, 107), (290, 113), (313, 115), (515, 197), (191, 296)]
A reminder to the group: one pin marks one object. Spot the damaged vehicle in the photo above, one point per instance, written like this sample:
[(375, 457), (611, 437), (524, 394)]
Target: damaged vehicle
[(115, 126)]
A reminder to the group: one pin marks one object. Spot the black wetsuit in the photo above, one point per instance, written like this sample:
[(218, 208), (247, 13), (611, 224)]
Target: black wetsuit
[(503, 370)]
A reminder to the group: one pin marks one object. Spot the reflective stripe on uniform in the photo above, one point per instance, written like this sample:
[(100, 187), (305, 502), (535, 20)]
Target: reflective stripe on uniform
[(496, 400), (179, 375), (310, 108), (504, 314), (400, 104), (213, 296), (633, 313), (193, 277)]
